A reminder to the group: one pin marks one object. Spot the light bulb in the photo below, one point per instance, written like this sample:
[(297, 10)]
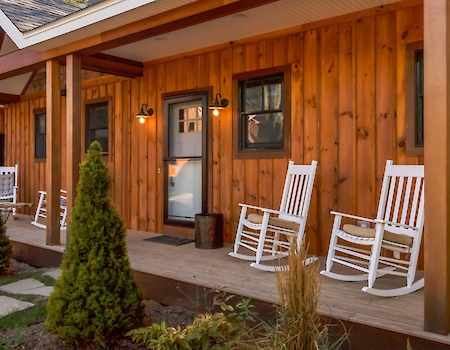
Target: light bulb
[(142, 120), (216, 112)]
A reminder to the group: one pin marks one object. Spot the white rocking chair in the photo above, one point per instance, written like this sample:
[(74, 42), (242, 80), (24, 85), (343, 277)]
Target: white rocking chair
[(397, 229), (267, 236), (41, 210), (8, 185)]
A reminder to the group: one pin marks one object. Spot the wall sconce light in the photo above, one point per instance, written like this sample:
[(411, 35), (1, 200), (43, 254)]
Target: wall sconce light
[(218, 105), (144, 113)]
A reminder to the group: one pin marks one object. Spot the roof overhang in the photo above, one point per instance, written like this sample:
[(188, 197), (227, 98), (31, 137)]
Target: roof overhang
[(80, 19)]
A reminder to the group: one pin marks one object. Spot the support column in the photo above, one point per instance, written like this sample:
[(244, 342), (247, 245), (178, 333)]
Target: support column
[(73, 144), (437, 165), (53, 163)]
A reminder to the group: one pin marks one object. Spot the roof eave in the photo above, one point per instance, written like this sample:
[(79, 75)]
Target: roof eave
[(92, 14)]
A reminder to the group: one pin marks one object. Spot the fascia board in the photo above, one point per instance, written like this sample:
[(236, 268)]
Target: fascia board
[(77, 20), (11, 30)]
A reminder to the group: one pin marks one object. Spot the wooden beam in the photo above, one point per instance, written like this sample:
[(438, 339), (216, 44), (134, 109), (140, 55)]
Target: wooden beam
[(73, 127), (53, 163), (179, 18), (2, 37), (8, 98), (113, 65), (21, 61), (26, 60), (437, 165)]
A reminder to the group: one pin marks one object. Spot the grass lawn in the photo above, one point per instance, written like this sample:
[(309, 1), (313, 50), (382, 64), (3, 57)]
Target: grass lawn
[(27, 317)]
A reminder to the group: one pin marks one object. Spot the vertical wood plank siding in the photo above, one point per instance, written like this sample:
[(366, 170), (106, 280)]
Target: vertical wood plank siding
[(347, 112)]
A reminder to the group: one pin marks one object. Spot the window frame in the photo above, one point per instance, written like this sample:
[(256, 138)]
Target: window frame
[(410, 99), (262, 153), (108, 99), (35, 113)]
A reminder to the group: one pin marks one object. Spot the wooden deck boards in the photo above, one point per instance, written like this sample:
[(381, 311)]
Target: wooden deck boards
[(214, 268)]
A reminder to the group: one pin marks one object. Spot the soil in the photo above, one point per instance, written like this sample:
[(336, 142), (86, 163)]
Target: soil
[(35, 337)]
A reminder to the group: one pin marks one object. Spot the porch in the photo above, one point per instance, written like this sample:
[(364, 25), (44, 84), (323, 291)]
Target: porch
[(169, 274)]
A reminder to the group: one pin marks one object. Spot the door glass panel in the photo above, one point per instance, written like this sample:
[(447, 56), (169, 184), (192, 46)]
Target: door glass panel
[(184, 164), (184, 189)]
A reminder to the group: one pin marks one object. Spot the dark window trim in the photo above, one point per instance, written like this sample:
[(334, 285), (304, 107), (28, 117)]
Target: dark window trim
[(262, 153), (410, 99), (109, 99), (39, 111)]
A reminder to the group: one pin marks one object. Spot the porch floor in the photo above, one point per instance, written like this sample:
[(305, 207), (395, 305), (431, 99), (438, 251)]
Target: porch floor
[(214, 268)]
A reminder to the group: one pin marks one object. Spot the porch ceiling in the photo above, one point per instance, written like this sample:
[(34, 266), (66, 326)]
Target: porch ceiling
[(279, 15)]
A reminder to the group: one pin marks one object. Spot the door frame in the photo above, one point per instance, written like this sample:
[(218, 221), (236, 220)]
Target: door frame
[(167, 100)]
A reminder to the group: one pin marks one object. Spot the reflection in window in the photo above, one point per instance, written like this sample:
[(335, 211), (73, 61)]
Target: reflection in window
[(97, 124), (261, 114), (190, 120), (40, 148)]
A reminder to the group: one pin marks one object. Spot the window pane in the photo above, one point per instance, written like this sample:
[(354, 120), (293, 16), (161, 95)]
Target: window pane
[(104, 143), (253, 98), (101, 134), (97, 127), (265, 130), (40, 147), (275, 97), (40, 135), (190, 119)]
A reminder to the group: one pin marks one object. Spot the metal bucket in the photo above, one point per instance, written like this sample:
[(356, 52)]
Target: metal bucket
[(209, 230)]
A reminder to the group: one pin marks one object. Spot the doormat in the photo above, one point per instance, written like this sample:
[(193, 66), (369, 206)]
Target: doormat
[(170, 240)]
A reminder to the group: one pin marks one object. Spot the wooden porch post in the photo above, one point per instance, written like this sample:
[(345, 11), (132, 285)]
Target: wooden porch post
[(73, 144), (437, 165), (53, 163)]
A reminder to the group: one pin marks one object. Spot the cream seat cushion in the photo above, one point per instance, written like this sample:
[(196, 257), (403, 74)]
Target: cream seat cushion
[(370, 233), (273, 221)]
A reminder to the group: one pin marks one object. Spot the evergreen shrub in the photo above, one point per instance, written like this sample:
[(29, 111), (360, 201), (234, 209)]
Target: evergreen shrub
[(5, 249), (95, 298)]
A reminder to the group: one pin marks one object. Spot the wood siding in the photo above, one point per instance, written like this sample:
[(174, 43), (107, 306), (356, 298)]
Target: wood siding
[(347, 112)]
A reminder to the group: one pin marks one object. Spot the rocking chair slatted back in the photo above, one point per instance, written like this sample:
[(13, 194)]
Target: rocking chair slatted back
[(297, 191), (8, 184), (402, 198)]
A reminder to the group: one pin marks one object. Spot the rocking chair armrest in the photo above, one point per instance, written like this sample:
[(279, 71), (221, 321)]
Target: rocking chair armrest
[(266, 210), (271, 211), (336, 213), (391, 223)]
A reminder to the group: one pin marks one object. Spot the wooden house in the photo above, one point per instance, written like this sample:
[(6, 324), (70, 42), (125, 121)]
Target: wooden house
[(334, 81)]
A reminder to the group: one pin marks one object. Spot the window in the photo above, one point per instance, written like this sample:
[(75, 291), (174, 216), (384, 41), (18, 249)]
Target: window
[(190, 119), (40, 133), (263, 124), (97, 123), (414, 99)]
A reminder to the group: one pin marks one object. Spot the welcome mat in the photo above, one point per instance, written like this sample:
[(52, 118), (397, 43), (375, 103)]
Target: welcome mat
[(170, 240)]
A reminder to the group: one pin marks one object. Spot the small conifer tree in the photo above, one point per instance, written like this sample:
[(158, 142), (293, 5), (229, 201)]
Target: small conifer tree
[(5, 249), (95, 297)]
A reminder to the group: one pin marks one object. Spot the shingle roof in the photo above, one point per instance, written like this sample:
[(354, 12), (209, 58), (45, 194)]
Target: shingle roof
[(31, 14)]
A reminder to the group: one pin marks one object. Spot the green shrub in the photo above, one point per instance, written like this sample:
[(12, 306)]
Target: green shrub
[(219, 330), (5, 249), (95, 297)]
